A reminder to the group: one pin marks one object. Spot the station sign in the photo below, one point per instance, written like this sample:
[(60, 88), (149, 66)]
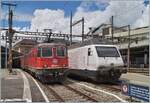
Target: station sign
[(137, 91)]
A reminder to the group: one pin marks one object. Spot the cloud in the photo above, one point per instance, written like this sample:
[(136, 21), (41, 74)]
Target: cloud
[(124, 12), (22, 17), (49, 19), (144, 19)]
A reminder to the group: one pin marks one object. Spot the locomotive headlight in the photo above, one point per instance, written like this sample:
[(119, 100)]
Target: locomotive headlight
[(55, 61), (112, 64), (45, 66)]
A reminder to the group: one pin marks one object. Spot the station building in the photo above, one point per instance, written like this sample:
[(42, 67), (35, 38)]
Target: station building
[(139, 42)]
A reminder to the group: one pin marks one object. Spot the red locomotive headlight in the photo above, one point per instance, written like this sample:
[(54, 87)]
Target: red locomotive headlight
[(64, 65), (45, 66)]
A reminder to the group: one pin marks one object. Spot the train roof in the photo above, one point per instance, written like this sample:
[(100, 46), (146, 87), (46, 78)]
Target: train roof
[(91, 42), (50, 44), (58, 40)]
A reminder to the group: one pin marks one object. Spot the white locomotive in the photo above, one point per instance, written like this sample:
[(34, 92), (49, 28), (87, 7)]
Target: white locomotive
[(96, 60)]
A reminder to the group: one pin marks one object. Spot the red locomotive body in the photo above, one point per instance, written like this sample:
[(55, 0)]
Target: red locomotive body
[(47, 61)]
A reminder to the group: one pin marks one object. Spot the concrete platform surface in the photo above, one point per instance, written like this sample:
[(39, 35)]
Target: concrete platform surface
[(11, 85), (19, 87), (136, 78)]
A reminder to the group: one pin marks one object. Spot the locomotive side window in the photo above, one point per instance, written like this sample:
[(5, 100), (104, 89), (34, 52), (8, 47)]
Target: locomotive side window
[(107, 51), (39, 52), (46, 52), (89, 52), (61, 51)]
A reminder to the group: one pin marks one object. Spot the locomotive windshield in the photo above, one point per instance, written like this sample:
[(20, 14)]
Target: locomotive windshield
[(107, 51), (61, 51), (44, 52)]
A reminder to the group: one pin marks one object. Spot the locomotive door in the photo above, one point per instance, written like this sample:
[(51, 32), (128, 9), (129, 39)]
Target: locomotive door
[(90, 59)]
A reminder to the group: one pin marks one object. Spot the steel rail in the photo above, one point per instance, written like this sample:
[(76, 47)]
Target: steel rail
[(80, 93), (111, 88), (57, 96)]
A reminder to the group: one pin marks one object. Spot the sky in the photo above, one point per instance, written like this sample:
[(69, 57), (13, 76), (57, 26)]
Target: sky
[(55, 15)]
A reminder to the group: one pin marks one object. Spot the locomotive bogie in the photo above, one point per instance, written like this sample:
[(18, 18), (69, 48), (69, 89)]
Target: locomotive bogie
[(50, 75)]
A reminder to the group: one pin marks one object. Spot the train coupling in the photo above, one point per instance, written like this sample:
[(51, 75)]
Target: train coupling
[(55, 74)]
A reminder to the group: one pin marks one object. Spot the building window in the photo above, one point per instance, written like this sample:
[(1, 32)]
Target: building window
[(105, 31)]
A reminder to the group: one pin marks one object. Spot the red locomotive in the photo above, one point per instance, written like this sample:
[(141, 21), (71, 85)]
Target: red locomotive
[(47, 62)]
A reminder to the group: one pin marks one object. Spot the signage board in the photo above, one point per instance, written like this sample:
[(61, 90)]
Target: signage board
[(137, 91)]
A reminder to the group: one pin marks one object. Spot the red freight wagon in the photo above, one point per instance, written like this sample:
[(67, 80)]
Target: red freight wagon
[(47, 61)]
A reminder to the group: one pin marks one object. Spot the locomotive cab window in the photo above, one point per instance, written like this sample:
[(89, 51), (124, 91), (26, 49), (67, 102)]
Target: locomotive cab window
[(61, 51), (46, 52), (107, 51), (39, 52)]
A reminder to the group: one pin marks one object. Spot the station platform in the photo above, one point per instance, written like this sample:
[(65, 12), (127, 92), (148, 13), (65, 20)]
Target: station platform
[(11, 85), (18, 87), (136, 78)]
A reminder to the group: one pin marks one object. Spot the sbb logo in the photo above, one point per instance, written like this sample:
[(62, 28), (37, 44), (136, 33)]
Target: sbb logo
[(125, 88), (55, 61)]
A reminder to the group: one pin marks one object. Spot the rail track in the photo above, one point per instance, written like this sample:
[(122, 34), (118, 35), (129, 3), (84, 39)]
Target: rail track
[(71, 91), (55, 94), (81, 94), (111, 88), (65, 92), (100, 96)]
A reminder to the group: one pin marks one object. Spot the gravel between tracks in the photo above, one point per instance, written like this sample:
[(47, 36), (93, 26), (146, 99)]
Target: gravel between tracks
[(67, 94), (102, 97)]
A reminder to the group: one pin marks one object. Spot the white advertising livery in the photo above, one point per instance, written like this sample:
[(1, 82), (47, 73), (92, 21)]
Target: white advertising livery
[(96, 60)]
